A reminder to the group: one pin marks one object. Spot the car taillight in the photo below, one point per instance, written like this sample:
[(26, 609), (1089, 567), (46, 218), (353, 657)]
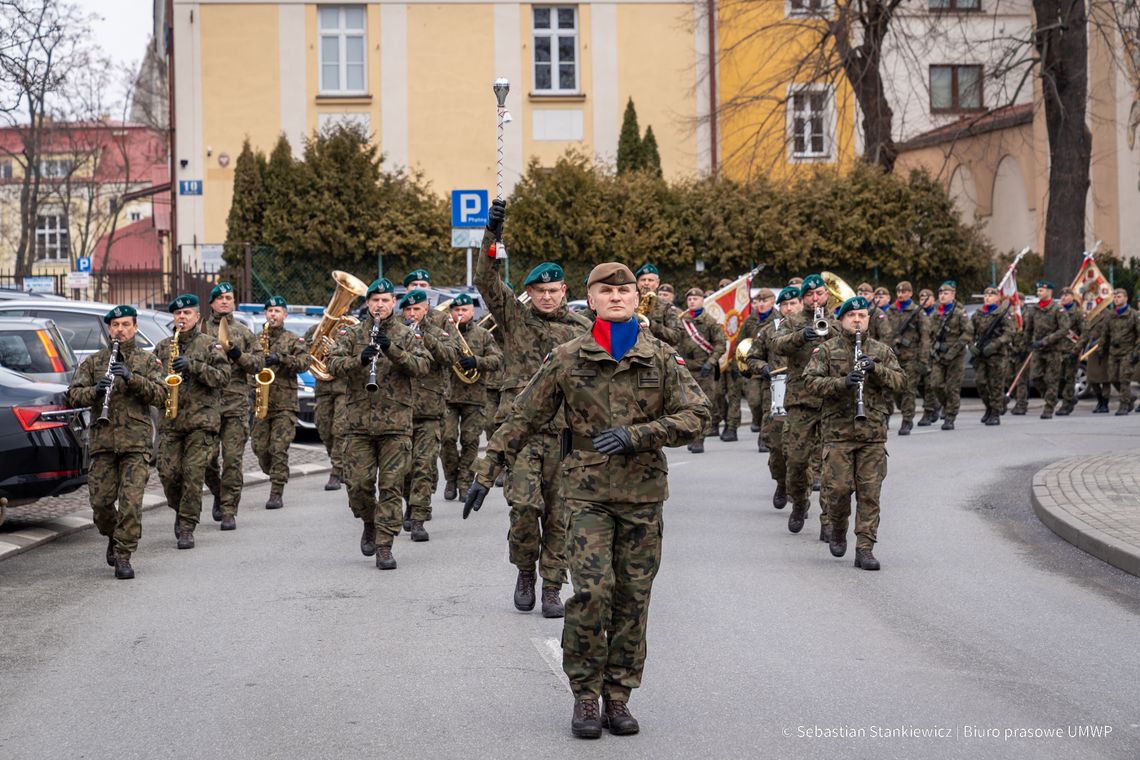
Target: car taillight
[(49, 348), (29, 417)]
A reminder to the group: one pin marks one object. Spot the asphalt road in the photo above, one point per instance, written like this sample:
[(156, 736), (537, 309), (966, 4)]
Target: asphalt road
[(281, 641)]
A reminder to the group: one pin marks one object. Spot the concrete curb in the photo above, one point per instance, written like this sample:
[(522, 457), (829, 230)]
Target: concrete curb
[(21, 541), (1063, 517)]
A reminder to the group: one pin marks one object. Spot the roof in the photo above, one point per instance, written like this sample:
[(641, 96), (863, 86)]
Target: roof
[(135, 246), (118, 150), (972, 126)]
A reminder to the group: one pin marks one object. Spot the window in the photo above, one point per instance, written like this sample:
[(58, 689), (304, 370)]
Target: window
[(6, 169), (56, 167), (134, 216), (810, 122), (807, 7), (955, 5), (556, 49), (51, 237), (342, 50), (955, 88), (83, 332)]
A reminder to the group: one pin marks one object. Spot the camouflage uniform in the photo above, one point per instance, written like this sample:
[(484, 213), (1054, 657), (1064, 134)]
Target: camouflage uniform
[(273, 434), (771, 428), (989, 359), (614, 502), (854, 452), (538, 516), (120, 449), (710, 333), (186, 443), (753, 393), (429, 402), (1122, 335), (328, 414), (1048, 326), (905, 332), (1018, 353), (950, 333), (225, 481), (378, 424), (1070, 356), (464, 422), (665, 322), (1097, 363)]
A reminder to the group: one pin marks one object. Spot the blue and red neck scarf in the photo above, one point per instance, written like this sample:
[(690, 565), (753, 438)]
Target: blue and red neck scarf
[(762, 316), (1068, 307), (989, 308), (1122, 309), (1045, 303), (945, 308), (616, 337), (903, 305), (929, 310), (697, 312), (885, 307)]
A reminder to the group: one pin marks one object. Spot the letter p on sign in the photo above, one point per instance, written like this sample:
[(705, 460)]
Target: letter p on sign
[(469, 208)]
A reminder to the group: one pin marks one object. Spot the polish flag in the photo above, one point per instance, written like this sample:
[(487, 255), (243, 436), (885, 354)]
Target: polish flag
[(1008, 286), (730, 306)]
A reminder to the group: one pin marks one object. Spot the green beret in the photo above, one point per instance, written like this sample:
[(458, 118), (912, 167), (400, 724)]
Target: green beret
[(416, 274), (646, 269), (184, 301), (949, 284), (412, 297), (787, 294), (462, 300), (545, 272), (810, 283), (119, 311), (276, 301), (1045, 284), (220, 289), (382, 285), (855, 302)]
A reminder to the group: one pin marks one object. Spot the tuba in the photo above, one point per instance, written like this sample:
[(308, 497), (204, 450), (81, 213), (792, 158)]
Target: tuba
[(348, 289), (263, 380), (838, 291), (741, 354), (172, 379)]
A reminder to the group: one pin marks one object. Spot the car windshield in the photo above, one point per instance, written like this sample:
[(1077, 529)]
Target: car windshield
[(34, 351)]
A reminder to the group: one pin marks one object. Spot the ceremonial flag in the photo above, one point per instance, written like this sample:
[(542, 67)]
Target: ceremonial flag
[(1008, 286), (1090, 283), (730, 306)]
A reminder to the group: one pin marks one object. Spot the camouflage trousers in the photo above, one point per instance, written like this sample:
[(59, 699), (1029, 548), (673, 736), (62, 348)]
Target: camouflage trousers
[(905, 400), (118, 478), (1120, 375), (182, 460), (423, 473), (711, 386), (613, 553), (945, 384), (225, 480), (754, 397), (730, 391), (1046, 375), (538, 514), (462, 428), (329, 418), (989, 375), (490, 412), (801, 443), (772, 434), (1067, 390), (271, 438), (854, 467), (374, 472)]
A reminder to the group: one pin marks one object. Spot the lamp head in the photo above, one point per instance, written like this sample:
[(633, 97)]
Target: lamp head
[(501, 87)]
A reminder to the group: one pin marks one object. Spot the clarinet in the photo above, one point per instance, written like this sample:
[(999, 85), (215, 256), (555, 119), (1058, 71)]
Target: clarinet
[(860, 412), (371, 385), (105, 415)]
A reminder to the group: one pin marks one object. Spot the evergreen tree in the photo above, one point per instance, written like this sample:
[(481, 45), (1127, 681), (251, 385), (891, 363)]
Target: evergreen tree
[(243, 224), (650, 157), (630, 156)]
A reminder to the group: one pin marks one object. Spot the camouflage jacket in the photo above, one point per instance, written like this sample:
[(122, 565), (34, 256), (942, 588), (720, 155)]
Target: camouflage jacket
[(825, 377), (665, 322), (950, 333), (1000, 334), (710, 331), (790, 343), (388, 410), (753, 324), (1078, 324), (1047, 325), (648, 392), (760, 354), (235, 396), (488, 360), (905, 332), (879, 324), (293, 355), (200, 394), (429, 399), (1121, 332), (130, 429), (324, 387)]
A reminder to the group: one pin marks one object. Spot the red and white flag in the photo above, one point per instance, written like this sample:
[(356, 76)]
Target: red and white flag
[(1008, 286), (1090, 285), (730, 306)]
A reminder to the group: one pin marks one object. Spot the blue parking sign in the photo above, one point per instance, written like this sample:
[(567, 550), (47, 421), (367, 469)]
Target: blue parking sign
[(83, 264), (469, 208)]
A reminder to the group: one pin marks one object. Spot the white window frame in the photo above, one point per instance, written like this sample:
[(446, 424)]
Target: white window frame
[(56, 168), (805, 10), (58, 227), (341, 34), (553, 33), (5, 169), (828, 152)]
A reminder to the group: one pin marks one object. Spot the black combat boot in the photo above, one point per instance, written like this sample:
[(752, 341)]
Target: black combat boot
[(729, 435), (407, 518), (111, 551), (185, 539), (986, 417), (586, 722), (229, 522), (780, 498), (825, 533), (524, 591), (1018, 411), (755, 427), (123, 569), (216, 513), (761, 447), (450, 491), (1124, 410), (617, 718), (334, 481), (906, 427), (1101, 404), (927, 419), (866, 560), (552, 603), (418, 532), (384, 558), (697, 446), (1066, 409), (796, 519), (368, 539), (993, 420), (838, 543), (274, 501), (948, 424), (1047, 412)]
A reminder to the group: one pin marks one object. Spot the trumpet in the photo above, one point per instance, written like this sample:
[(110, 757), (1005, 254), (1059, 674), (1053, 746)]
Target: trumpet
[(821, 325), (524, 299), (105, 415), (263, 379), (468, 376), (172, 379)]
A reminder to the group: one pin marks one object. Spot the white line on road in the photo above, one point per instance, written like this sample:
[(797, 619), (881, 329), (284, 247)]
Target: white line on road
[(550, 650)]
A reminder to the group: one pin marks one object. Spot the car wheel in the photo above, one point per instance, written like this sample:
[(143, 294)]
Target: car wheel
[(1081, 383)]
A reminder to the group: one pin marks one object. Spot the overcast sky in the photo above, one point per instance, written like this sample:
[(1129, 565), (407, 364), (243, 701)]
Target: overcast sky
[(123, 29)]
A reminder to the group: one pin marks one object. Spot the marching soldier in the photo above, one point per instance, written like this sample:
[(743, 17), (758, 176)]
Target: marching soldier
[(1122, 335), (1046, 328), (949, 335), (246, 360), (663, 319), (328, 415), (761, 361), (528, 333), (378, 360), (1096, 367), (666, 293), (701, 347), (464, 422), (614, 481), (927, 302), (1070, 355), (907, 335), (186, 440), (420, 279), (855, 452), (993, 330), (865, 290), (121, 446), (760, 316)]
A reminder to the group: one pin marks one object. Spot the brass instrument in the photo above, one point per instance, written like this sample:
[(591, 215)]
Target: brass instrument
[(524, 299), (263, 379), (741, 354), (105, 415), (644, 307), (172, 379), (468, 376), (348, 289), (838, 291), (224, 333)]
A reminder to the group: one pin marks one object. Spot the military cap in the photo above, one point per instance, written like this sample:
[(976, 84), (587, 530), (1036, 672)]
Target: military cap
[(810, 283), (904, 285), (881, 291), (276, 301), (462, 300), (647, 268), (990, 291), (855, 302), (764, 294), (926, 292), (864, 286), (1121, 291), (789, 293), (185, 301), (119, 311), (796, 282), (611, 273), (1067, 291), (1045, 284), (545, 272), (382, 285), (416, 274), (220, 290), (948, 285), (666, 288), (694, 292), (412, 297)]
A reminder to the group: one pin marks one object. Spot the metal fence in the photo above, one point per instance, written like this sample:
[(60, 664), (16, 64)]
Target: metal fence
[(145, 287)]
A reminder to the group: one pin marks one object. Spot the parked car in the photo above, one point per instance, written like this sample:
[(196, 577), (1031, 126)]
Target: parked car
[(35, 347), (81, 322), (43, 448)]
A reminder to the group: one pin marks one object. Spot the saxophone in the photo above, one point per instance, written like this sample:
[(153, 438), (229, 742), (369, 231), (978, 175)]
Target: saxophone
[(263, 379), (172, 379)]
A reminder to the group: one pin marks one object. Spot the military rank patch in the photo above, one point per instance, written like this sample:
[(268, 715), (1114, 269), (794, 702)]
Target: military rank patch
[(678, 359)]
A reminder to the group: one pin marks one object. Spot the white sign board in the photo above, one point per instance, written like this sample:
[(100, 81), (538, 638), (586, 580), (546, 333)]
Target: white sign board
[(39, 284), (212, 257), (462, 237), (78, 280)]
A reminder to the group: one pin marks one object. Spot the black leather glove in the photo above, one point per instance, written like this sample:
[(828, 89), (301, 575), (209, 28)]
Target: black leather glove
[(272, 359), (810, 333), (104, 383), (118, 369), (1036, 344), (854, 377), (615, 440), (706, 370), (180, 364), (476, 492), (867, 364), (765, 372), (495, 218), (746, 373), (368, 354), (468, 362), (234, 353), (383, 341)]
